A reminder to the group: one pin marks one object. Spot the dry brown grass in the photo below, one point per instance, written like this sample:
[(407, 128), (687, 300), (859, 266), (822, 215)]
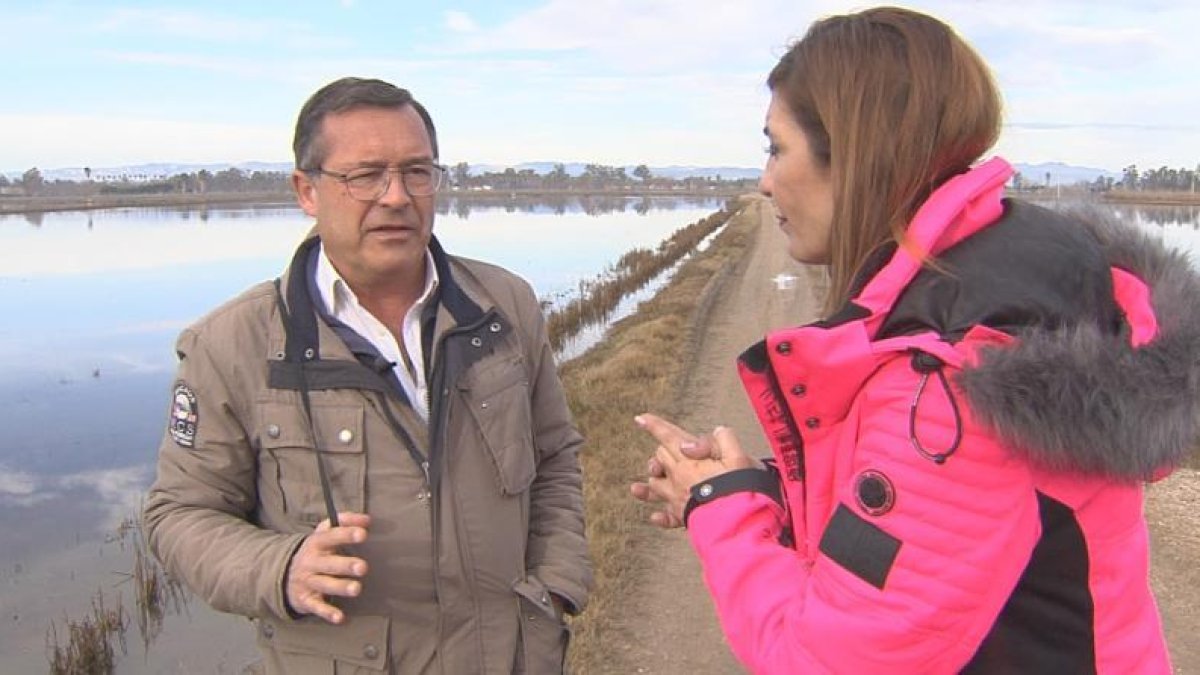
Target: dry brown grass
[(638, 367), (600, 296), (88, 647), (155, 593)]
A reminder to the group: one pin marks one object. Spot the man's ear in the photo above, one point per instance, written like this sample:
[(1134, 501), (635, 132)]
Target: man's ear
[(306, 192)]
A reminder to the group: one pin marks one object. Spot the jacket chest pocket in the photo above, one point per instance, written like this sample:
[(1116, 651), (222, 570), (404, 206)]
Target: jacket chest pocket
[(497, 395), (288, 461)]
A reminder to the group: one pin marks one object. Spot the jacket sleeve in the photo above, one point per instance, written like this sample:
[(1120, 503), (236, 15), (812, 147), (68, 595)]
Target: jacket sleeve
[(197, 514), (556, 551), (913, 589)]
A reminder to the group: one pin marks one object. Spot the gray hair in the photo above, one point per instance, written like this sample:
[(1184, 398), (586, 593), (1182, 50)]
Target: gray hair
[(342, 95)]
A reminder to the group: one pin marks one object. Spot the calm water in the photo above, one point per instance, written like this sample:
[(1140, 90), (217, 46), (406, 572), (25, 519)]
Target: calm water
[(91, 304)]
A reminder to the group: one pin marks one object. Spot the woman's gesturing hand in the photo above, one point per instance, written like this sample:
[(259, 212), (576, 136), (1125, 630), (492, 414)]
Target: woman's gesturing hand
[(680, 461)]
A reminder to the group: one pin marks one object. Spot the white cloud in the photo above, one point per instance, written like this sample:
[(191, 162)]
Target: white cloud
[(15, 483), (185, 24), (636, 35), (558, 76), (207, 27), (460, 22), (120, 491), (84, 140)]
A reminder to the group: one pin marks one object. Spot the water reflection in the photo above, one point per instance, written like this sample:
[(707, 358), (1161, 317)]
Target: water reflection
[(590, 204), (1159, 214)]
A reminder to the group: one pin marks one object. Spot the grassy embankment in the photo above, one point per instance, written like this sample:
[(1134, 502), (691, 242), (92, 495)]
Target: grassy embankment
[(636, 368), (599, 297)]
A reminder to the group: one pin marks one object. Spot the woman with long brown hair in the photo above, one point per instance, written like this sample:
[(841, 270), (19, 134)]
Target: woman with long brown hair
[(959, 446)]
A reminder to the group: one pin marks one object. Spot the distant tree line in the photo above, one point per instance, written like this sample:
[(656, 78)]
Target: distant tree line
[(1162, 179), (595, 177), (200, 182)]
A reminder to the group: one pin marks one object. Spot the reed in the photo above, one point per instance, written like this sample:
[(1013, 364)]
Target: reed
[(598, 297), (155, 592), (88, 647)]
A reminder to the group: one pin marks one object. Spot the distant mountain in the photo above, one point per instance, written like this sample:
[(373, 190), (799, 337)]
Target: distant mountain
[(1061, 174), (153, 171)]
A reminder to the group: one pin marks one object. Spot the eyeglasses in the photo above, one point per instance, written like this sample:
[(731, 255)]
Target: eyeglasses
[(370, 183)]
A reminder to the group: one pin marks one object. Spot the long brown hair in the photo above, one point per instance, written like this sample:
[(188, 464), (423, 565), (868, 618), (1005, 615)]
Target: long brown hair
[(894, 102)]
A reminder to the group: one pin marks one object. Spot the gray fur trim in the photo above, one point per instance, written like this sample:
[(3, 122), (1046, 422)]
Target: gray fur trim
[(1079, 400)]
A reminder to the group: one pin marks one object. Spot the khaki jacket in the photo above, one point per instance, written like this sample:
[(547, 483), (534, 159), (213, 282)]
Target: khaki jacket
[(477, 516)]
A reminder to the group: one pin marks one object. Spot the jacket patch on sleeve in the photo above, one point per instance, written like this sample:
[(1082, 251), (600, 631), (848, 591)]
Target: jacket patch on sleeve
[(185, 416), (859, 546)]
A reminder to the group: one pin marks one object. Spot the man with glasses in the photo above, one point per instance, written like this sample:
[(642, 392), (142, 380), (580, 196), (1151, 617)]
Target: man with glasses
[(372, 456)]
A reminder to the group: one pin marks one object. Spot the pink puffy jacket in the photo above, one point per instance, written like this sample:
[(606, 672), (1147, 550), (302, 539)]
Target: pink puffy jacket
[(961, 451)]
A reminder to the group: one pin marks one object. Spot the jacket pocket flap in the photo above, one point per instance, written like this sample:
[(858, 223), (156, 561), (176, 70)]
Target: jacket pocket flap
[(360, 640), (537, 594), (283, 425), (497, 396)]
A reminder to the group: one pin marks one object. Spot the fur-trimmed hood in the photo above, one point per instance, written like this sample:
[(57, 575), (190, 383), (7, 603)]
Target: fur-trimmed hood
[(1073, 392)]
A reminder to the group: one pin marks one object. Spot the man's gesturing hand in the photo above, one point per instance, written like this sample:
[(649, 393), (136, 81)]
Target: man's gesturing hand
[(318, 569)]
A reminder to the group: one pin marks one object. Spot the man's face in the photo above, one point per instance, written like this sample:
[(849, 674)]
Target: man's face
[(376, 244)]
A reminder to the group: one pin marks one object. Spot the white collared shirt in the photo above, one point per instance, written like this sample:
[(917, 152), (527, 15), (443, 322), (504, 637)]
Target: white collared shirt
[(343, 304)]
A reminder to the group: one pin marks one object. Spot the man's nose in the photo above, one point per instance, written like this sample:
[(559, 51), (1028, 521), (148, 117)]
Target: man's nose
[(395, 194)]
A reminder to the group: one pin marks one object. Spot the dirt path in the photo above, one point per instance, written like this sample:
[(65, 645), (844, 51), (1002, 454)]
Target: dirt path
[(1173, 509), (673, 629)]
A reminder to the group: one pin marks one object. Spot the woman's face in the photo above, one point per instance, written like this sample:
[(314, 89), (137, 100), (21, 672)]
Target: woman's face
[(798, 185)]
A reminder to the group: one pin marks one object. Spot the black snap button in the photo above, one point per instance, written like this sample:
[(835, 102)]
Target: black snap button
[(799, 390), (812, 423), (784, 348)]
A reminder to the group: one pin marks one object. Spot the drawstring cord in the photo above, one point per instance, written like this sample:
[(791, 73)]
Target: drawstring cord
[(926, 363)]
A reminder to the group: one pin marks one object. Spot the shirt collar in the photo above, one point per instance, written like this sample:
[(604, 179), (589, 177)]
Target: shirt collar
[(336, 293)]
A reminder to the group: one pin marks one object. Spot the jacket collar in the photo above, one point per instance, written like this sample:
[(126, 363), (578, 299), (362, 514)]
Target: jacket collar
[(451, 305)]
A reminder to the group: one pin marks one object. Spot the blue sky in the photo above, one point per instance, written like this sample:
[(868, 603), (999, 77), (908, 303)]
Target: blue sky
[(1100, 83)]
